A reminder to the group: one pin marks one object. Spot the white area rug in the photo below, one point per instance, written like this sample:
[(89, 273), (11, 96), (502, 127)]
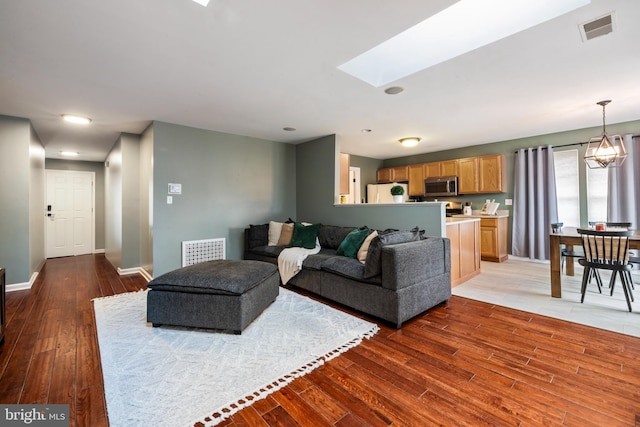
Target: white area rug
[(177, 376)]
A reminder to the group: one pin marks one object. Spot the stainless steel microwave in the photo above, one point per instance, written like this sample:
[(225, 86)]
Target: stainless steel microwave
[(442, 186)]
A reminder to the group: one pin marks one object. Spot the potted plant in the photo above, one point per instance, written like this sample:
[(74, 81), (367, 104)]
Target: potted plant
[(397, 191)]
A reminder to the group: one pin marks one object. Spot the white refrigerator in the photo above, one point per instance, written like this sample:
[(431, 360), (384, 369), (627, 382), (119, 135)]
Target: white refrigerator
[(381, 193)]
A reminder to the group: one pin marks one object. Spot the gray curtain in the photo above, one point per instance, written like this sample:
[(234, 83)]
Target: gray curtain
[(535, 205), (623, 197)]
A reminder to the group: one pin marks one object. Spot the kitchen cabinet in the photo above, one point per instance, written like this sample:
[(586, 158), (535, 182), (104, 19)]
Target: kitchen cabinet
[(438, 169), (468, 175), (491, 173), (493, 238), (484, 174), (464, 237), (395, 174), (416, 180), (344, 173)]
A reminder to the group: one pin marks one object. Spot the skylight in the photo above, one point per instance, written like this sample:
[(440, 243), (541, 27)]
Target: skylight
[(465, 26)]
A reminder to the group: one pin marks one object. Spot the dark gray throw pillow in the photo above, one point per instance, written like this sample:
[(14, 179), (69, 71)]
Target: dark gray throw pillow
[(258, 235), (373, 263)]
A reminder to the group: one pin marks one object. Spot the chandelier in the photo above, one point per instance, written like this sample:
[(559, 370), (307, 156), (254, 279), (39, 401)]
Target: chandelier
[(605, 151)]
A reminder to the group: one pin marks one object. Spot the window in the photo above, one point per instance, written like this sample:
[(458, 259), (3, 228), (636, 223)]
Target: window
[(597, 188), (567, 187)]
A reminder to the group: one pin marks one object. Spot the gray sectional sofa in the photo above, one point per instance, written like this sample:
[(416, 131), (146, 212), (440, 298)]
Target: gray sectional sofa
[(404, 273)]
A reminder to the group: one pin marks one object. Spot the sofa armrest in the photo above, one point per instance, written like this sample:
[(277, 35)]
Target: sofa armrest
[(406, 264)]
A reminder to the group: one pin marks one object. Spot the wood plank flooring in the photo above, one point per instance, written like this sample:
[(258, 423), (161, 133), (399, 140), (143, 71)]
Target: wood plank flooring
[(462, 363)]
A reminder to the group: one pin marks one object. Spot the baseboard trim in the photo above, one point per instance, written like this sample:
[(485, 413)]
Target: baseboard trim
[(135, 270), (22, 286), (98, 251)]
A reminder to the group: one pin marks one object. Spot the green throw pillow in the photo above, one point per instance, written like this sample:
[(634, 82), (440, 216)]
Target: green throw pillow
[(304, 236), (350, 245)]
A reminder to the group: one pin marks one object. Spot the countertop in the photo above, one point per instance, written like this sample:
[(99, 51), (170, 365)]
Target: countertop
[(476, 214), (457, 219)]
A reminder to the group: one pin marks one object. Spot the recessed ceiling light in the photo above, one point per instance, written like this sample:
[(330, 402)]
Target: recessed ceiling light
[(71, 118), (289, 129), (394, 90), (411, 141), (69, 153), (365, 130), (202, 2), (465, 26)]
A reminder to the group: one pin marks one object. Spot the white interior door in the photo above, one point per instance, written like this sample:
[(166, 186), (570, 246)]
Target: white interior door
[(69, 213)]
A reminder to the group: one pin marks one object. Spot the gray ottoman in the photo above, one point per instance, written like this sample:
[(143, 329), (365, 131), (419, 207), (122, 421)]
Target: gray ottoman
[(223, 294)]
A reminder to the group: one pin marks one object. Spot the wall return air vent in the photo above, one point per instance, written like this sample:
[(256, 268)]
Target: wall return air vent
[(597, 27)]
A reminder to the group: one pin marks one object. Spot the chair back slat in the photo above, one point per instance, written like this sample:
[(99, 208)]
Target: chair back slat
[(605, 247)]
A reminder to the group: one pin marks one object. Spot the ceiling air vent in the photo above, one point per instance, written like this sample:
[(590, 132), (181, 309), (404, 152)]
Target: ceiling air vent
[(598, 27)]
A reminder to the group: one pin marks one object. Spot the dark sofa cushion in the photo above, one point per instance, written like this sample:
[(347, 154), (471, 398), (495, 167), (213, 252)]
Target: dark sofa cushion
[(373, 264), (272, 251), (226, 277), (315, 261), (258, 235), (350, 245), (330, 236), (350, 268)]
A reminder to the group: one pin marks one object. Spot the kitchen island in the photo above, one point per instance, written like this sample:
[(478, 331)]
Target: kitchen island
[(464, 234)]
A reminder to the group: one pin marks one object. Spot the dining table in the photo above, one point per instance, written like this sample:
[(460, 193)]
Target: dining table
[(569, 237)]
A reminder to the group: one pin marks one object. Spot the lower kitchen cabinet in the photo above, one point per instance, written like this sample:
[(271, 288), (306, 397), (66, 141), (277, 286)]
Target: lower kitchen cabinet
[(493, 238)]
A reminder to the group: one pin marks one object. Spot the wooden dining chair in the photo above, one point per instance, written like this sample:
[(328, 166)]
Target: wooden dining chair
[(634, 258), (577, 252), (606, 250)]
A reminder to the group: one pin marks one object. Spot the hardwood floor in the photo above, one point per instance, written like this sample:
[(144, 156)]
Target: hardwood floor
[(462, 363)]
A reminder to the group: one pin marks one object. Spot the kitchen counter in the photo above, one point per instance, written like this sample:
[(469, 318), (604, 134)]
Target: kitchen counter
[(477, 214), (460, 219)]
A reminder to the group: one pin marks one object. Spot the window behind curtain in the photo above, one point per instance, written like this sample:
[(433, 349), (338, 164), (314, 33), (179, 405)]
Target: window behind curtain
[(567, 187), (597, 188)]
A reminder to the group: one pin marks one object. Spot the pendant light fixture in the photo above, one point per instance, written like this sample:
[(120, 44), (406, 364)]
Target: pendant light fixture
[(605, 151)]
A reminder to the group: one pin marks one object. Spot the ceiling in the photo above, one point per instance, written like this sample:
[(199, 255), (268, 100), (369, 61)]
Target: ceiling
[(253, 67)]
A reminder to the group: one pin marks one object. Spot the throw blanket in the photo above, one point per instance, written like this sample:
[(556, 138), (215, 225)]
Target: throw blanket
[(290, 261)]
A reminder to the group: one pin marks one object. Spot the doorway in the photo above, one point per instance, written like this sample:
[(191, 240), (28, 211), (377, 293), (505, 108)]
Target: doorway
[(69, 215)]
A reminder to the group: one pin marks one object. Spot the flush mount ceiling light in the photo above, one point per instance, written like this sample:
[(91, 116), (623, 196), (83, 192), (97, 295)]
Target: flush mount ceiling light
[(605, 151), (409, 142), (72, 118), (202, 2), (465, 26), (69, 153)]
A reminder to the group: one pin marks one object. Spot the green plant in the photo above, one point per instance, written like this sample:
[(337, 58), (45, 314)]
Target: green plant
[(397, 190)]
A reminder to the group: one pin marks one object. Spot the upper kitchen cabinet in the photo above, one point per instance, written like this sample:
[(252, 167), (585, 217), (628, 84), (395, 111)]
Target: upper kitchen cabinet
[(438, 169), (416, 180), (484, 174), (468, 175), (492, 174), (395, 174)]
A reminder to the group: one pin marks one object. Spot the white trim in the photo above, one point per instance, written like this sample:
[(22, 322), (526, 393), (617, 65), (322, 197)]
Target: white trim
[(134, 270), (22, 286), (98, 251)]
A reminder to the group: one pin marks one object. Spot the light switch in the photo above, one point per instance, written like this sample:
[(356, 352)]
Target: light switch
[(508, 202), (169, 200)]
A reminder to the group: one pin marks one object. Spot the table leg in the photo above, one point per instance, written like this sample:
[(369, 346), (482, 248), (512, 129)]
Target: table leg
[(554, 246), (568, 262)]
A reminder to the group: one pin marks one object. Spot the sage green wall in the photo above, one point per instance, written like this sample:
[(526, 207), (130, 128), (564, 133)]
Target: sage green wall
[(22, 195), (228, 182), (146, 201), (113, 205), (99, 196), (36, 203), (318, 164), (508, 148)]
